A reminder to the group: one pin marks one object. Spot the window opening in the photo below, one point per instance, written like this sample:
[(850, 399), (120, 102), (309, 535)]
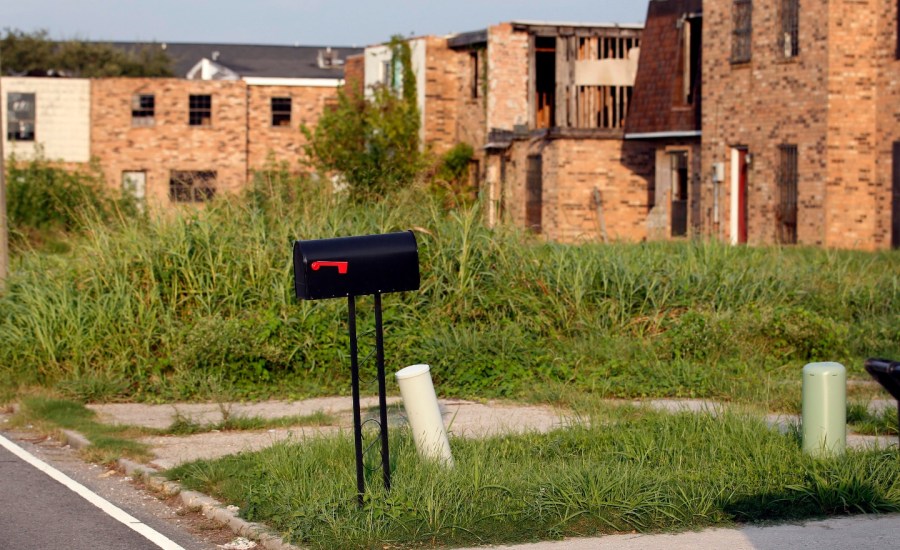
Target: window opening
[(281, 111), (688, 75), (134, 185), (192, 185), (742, 30), (534, 189), (787, 194), (20, 113), (545, 81), (200, 110), (475, 71), (143, 110), (679, 167), (790, 28)]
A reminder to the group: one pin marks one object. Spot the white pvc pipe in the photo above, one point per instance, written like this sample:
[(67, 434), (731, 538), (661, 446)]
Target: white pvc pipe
[(423, 413)]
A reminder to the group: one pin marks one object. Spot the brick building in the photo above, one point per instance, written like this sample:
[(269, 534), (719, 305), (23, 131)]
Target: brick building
[(235, 110), (665, 113), (544, 105), (801, 139)]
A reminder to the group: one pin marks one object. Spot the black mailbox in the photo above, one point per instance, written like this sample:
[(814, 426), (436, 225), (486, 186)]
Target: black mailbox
[(887, 373), (356, 266)]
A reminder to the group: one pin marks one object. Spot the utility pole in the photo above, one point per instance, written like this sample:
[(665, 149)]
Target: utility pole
[(4, 231)]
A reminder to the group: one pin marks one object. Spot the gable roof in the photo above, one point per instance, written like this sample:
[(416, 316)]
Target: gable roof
[(259, 61)]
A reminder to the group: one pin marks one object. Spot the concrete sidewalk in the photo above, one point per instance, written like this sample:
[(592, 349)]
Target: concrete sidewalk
[(855, 532)]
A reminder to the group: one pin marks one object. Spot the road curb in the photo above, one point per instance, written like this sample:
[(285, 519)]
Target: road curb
[(206, 505)]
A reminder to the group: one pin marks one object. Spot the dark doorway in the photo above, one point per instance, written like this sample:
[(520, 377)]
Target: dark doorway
[(534, 189), (743, 157), (545, 81), (679, 166)]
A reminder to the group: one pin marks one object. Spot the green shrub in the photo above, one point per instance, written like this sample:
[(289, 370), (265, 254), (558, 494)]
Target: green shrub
[(46, 200)]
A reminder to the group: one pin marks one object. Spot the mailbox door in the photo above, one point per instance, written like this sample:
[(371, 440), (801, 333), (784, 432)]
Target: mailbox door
[(332, 268)]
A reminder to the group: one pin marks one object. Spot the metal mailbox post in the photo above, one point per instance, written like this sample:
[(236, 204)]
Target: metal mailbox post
[(887, 373), (351, 267)]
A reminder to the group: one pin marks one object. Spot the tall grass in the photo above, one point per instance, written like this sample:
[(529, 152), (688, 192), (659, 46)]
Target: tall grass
[(196, 303), (626, 470)]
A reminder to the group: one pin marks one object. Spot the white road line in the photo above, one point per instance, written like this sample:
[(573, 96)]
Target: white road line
[(112, 510)]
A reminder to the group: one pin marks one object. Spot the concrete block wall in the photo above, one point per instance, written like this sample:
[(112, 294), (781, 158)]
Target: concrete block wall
[(170, 143), (62, 119)]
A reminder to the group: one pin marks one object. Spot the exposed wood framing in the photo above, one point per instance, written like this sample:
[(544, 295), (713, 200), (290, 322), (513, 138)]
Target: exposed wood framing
[(590, 106)]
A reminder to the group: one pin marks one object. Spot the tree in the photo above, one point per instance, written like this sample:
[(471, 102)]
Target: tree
[(373, 144), (35, 54)]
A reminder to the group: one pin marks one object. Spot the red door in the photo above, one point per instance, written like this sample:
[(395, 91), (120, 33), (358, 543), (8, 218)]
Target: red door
[(742, 196)]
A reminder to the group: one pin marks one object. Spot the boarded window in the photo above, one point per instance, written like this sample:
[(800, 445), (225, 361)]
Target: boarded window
[(20, 117), (742, 30), (143, 110), (281, 111), (192, 185), (200, 110), (534, 190), (789, 39), (787, 194)]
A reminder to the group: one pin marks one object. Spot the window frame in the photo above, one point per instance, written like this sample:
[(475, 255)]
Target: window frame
[(200, 110), (741, 31), (787, 184), (184, 188), (14, 116), (789, 37), (143, 114), (281, 117)]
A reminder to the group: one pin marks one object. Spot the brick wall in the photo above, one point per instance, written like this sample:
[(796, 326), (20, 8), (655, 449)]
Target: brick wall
[(170, 143), (443, 75), (571, 170), (354, 73), (759, 105), (888, 119), (283, 143), (837, 101), (852, 71), (507, 73)]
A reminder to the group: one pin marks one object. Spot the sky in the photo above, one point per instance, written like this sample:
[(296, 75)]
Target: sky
[(286, 22)]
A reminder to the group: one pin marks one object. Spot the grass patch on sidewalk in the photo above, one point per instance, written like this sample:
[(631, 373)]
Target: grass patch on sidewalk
[(625, 469), (108, 443)]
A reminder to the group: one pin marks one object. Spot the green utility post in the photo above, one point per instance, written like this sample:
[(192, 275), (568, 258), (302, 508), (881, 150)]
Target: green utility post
[(824, 409)]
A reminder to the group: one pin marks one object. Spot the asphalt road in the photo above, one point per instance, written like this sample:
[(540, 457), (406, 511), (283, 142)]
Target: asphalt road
[(40, 513)]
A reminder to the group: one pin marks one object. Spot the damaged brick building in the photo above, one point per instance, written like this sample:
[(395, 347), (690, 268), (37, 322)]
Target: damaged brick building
[(801, 123)]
